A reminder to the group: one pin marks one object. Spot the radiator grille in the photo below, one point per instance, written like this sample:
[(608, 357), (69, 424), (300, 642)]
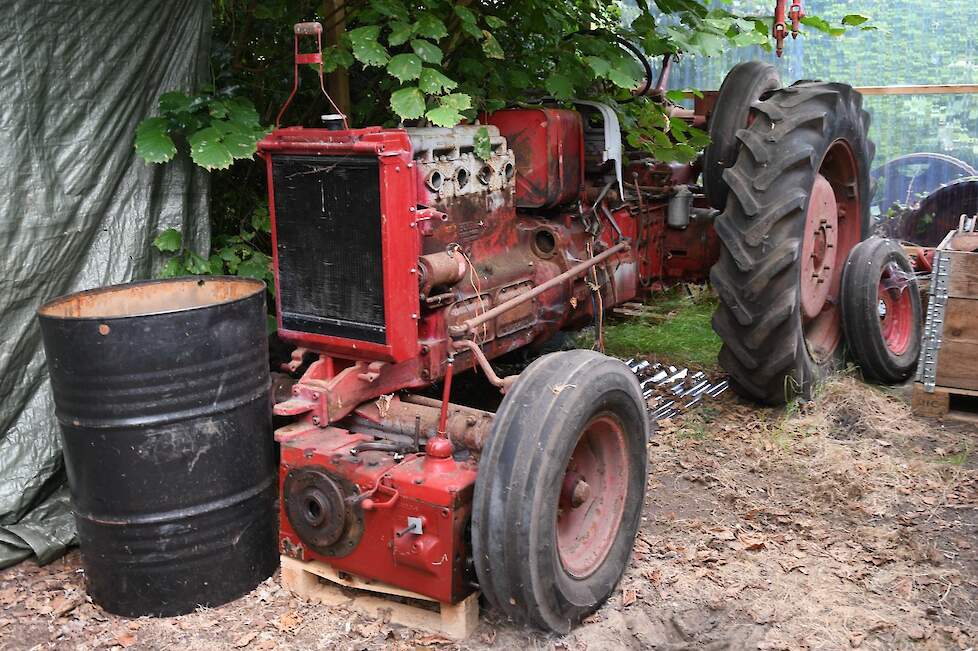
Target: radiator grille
[(327, 221)]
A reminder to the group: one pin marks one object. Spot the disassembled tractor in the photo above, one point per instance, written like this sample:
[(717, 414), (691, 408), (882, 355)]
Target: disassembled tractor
[(404, 256)]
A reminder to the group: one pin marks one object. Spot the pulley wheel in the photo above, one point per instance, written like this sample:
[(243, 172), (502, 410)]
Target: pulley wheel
[(315, 506)]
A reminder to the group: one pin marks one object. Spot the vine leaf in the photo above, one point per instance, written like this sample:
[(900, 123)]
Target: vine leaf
[(491, 46), (444, 116), (401, 32), (854, 20), (559, 86), (458, 101), (431, 27), (153, 141), (405, 67), (208, 150), (600, 67), (408, 103), (433, 82), (389, 8), (169, 241), (429, 52), (172, 268), (366, 49), (174, 102), (482, 143)]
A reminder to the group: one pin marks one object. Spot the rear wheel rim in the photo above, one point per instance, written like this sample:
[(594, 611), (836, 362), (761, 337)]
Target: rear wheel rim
[(895, 311), (592, 496), (833, 226)]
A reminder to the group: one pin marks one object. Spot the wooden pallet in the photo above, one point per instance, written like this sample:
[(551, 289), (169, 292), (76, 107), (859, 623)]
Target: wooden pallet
[(944, 402), (320, 583)]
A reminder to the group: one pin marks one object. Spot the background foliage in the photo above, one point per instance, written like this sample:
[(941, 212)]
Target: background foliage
[(435, 61), (917, 42)]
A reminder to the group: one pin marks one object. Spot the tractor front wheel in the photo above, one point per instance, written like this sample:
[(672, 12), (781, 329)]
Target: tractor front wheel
[(560, 489), (799, 203)]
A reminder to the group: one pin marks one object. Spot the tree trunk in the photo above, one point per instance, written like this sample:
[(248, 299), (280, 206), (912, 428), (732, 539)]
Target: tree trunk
[(338, 82)]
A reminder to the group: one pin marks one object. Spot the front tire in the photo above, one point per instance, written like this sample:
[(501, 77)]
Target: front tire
[(560, 489), (799, 203)]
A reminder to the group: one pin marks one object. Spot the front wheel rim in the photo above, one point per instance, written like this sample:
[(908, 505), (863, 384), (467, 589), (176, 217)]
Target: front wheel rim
[(895, 311), (592, 496)]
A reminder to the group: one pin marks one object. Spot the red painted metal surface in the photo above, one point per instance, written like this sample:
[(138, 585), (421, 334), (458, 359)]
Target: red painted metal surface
[(549, 146), (399, 231), (895, 311), (832, 228), (589, 512), (381, 494)]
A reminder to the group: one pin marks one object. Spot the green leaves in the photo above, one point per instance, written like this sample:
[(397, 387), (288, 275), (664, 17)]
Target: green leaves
[(168, 241), (153, 142), (854, 20), (366, 48), (408, 103), (431, 27), (429, 52), (822, 25), (433, 82), (560, 86), (483, 145), (401, 32), (491, 47), (405, 67), (219, 129)]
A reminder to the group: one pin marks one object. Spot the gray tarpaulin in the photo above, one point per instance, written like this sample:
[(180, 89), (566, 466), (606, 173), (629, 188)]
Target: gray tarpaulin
[(78, 209)]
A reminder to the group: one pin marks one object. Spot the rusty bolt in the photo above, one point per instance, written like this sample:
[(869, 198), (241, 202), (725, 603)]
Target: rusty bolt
[(315, 420), (470, 421), (425, 374), (315, 395), (103, 329), (295, 390), (424, 349)]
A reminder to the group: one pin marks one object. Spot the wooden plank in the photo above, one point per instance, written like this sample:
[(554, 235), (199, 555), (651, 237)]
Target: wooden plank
[(929, 405), (961, 323), (957, 365), (923, 89), (963, 275), (457, 621)]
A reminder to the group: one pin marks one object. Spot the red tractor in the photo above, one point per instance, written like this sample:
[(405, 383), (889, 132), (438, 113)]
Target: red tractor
[(403, 259)]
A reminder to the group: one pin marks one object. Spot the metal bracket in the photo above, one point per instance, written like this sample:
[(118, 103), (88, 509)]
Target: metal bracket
[(934, 323)]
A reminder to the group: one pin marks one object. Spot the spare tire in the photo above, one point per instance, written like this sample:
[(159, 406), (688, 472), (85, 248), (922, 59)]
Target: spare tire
[(881, 311), (745, 84)]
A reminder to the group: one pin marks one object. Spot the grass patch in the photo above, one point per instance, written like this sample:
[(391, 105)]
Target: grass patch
[(677, 329)]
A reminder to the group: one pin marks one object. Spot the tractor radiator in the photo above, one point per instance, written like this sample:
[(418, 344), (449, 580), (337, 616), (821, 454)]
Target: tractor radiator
[(329, 246)]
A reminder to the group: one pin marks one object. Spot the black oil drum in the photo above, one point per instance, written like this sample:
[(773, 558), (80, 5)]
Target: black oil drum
[(162, 391)]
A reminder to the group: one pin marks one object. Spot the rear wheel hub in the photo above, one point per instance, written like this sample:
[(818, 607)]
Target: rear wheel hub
[(832, 229)]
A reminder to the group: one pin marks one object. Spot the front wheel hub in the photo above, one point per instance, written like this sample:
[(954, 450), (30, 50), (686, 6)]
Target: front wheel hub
[(592, 497)]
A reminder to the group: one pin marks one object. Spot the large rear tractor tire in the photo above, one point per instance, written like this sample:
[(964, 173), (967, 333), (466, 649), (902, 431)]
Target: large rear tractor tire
[(799, 203), (560, 489), (745, 84)]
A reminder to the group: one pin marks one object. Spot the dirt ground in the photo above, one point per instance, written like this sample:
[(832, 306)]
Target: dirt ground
[(843, 523)]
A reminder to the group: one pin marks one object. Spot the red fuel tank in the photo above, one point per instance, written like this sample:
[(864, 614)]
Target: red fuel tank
[(549, 147)]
